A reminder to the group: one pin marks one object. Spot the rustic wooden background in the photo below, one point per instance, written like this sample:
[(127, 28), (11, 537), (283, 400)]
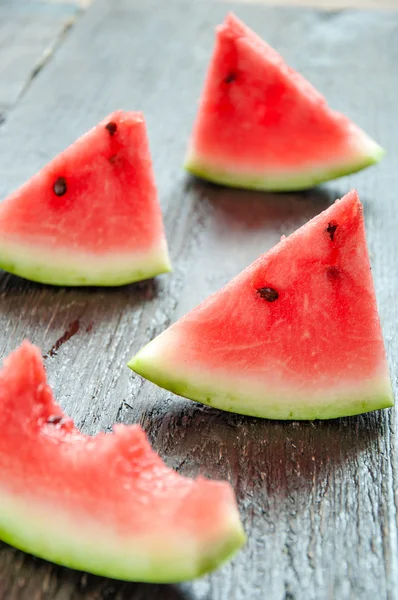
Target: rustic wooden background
[(328, 4), (318, 500)]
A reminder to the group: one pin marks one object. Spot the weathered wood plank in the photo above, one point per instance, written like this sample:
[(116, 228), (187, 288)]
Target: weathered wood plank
[(328, 4), (29, 34), (318, 500), (81, 3)]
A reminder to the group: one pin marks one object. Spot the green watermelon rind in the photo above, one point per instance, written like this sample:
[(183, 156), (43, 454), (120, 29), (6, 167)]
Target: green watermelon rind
[(24, 526), (71, 268), (375, 395), (284, 181)]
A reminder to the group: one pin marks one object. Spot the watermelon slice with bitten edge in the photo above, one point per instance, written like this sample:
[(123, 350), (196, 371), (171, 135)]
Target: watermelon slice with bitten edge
[(261, 125), (105, 504), (295, 336), (91, 216)]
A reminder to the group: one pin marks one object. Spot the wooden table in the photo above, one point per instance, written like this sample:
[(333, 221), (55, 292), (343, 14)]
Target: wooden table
[(331, 4), (318, 500)]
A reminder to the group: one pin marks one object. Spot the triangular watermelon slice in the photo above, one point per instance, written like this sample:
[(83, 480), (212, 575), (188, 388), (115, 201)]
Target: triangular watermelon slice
[(261, 125), (294, 336), (91, 216), (105, 504)]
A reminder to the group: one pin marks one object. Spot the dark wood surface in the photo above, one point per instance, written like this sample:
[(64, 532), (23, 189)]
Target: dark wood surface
[(318, 500), (30, 32), (330, 4)]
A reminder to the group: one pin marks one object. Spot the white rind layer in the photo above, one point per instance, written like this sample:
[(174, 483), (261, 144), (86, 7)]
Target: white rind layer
[(161, 362), (70, 540), (71, 267), (362, 152)]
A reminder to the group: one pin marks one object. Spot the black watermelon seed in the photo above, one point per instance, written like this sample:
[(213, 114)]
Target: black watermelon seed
[(331, 229), (112, 159), (54, 420), (111, 127), (333, 272), (267, 293), (230, 77), (60, 186)]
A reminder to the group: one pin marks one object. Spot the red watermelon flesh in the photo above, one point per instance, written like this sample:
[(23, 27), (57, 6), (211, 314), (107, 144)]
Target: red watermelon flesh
[(294, 336), (105, 504), (261, 125), (91, 216)]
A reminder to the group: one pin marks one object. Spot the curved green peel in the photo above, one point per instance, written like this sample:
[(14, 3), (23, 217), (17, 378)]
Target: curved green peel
[(287, 181), (31, 528), (69, 268), (244, 397)]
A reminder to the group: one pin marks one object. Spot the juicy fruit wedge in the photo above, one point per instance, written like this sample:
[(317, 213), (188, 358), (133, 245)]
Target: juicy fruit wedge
[(261, 125), (91, 216), (294, 336), (105, 504)]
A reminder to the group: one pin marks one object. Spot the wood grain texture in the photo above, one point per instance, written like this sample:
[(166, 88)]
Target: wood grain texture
[(328, 4), (318, 500), (29, 34)]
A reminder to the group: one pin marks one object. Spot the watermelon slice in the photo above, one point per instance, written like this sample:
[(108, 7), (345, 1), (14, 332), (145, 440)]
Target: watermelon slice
[(91, 216), (261, 125), (105, 504), (295, 336)]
